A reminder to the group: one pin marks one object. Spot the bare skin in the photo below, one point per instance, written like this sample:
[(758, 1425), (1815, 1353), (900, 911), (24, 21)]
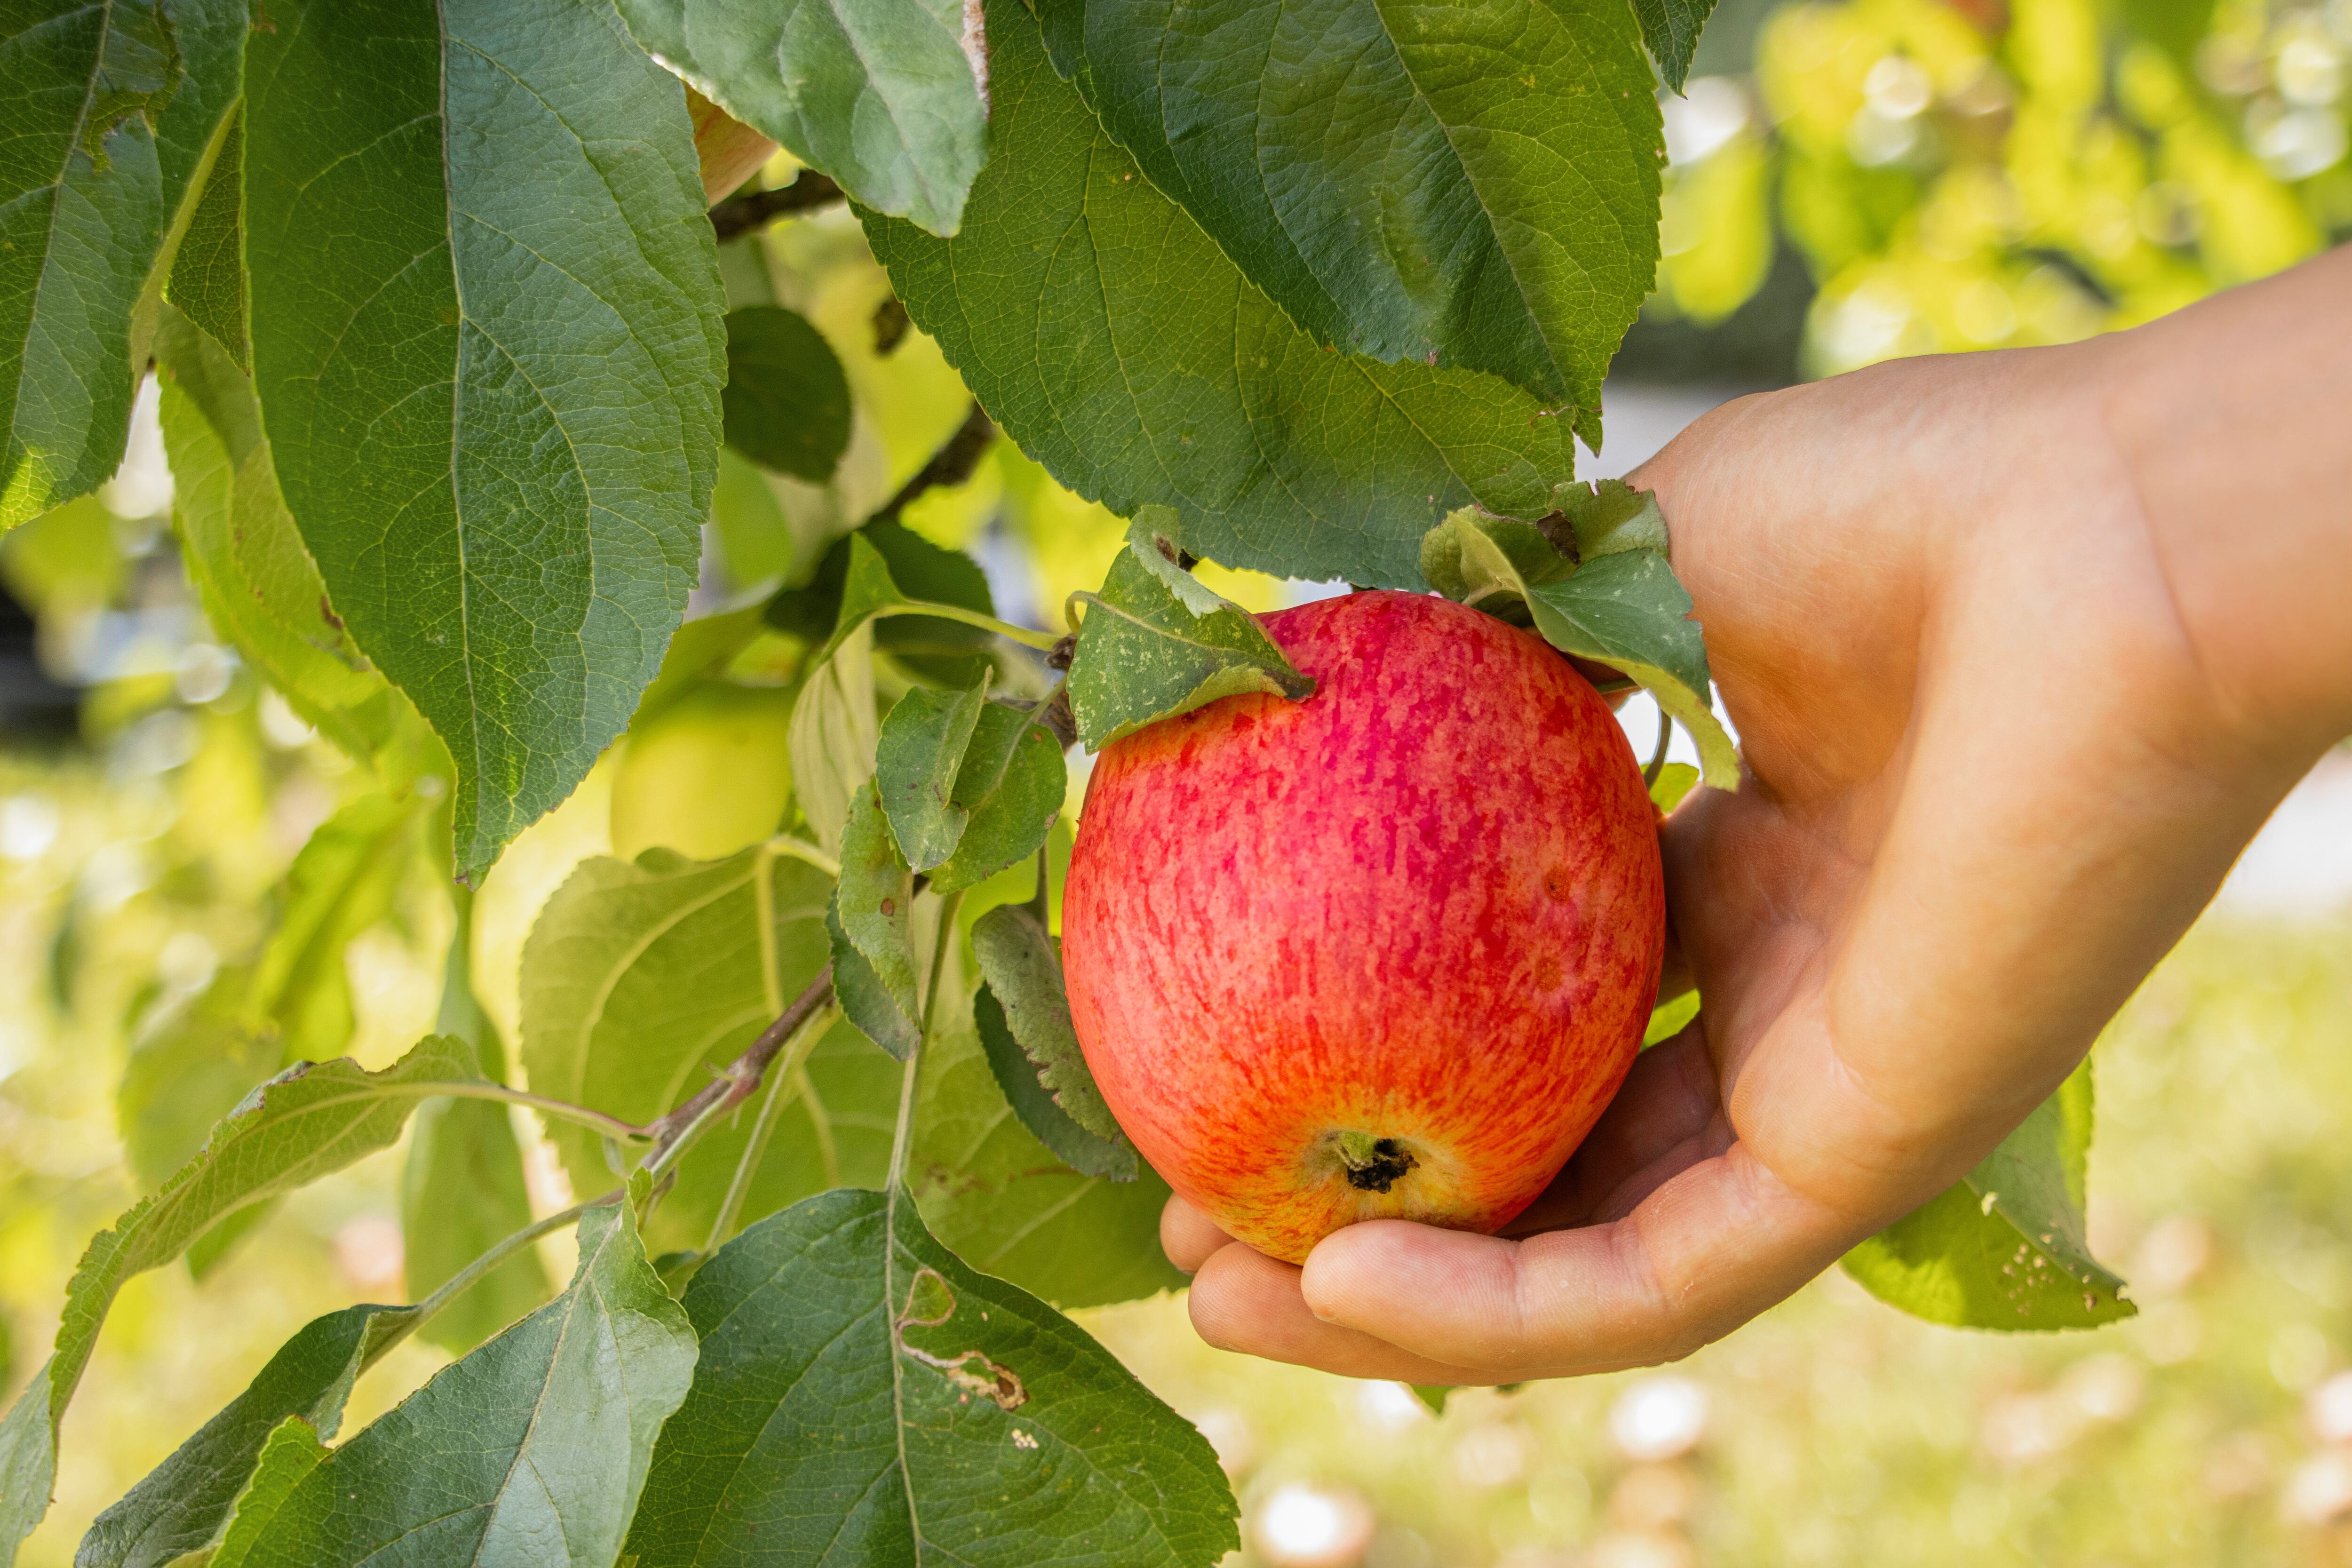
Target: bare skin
[(2023, 647)]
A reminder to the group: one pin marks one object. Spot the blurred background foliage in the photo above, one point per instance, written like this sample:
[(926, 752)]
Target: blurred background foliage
[(1849, 182)]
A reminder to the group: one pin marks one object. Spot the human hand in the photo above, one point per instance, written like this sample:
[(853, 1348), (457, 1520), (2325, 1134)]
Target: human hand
[(2009, 721)]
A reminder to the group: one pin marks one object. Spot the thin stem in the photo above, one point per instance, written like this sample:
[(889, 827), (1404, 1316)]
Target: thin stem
[(499, 1252), (740, 1081), (801, 849), (740, 215), (1658, 756), (951, 466), (1042, 641), (902, 1139), (771, 1109), (671, 1151), (563, 1109)]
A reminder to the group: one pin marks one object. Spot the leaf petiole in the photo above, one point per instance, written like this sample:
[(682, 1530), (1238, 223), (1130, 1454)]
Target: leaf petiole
[(458, 1283), (610, 1126), (770, 1109), (1042, 641)]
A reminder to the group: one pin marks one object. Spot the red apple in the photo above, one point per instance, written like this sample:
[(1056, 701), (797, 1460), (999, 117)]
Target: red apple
[(1385, 953)]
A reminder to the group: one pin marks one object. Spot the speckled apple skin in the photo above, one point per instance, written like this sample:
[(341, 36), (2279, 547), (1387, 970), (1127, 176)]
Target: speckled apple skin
[(1425, 903)]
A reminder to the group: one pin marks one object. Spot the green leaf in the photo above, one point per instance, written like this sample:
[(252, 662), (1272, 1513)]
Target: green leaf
[(1023, 1016), (462, 1190), (531, 1449), (292, 1002), (888, 96), (917, 758), (488, 342), (312, 1119), (1628, 611), (260, 589), (787, 402), (182, 1503), (639, 980), (1611, 516), (871, 924), (1671, 29), (864, 1397), (2005, 1248), (1674, 781), (1623, 607), (114, 112), (832, 735), (1471, 185), (28, 1463), (1668, 1020), (916, 572), (1151, 648), (1012, 786), (990, 1190), (206, 283), (1142, 366), (866, 999), (290, 1456)]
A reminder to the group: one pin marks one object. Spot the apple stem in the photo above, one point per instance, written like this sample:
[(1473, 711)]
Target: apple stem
[(1374, 1164)]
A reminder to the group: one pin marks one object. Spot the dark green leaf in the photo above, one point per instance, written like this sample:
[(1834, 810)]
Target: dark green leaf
[(864, 1397), (888, 96), (182, 1503), (113, 113), (1471, 185), (946, 651), (1611, 516), (488, 342), (1023, 1013), (2005, 1247), (1671, 28), (260, 589), (874, 905), (312, 1119), (531, 1449), (1012, 784), (869, 1001), (207, 279), (462, 1190), (1002, 1200), (1151, 648), (918, 757), (290, 1456), (639, 980), (787, 401), (1141, 366)]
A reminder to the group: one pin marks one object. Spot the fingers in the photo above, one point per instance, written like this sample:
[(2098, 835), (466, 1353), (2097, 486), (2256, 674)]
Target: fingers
[(1656, 1126), (1243, 1300), (1709, 1248), (1187, 1237)]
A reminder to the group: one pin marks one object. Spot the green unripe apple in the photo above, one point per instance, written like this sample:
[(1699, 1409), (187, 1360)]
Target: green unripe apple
[(707, 775)]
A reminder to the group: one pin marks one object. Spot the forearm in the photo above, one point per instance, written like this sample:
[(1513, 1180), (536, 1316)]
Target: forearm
[(2234, 419)]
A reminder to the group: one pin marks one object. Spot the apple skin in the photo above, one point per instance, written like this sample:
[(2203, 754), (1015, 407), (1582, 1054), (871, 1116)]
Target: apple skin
[(1423, 906)]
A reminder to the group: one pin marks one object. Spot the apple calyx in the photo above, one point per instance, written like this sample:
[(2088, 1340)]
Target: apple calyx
[(1373, 1165)]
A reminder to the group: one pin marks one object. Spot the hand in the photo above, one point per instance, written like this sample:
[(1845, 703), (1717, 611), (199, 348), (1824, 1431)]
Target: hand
[(2014, 694)]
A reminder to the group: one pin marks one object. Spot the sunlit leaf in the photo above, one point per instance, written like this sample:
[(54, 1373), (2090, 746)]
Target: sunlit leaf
[(2005, 1247)]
